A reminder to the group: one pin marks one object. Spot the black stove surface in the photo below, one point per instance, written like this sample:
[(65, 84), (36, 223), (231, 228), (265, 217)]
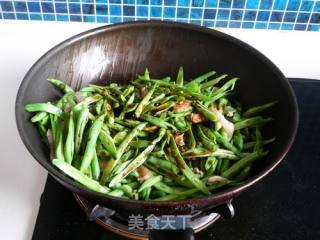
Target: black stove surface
[(284, 205)]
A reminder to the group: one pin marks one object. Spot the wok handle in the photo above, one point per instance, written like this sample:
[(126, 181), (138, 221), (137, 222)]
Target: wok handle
[(179, 234)]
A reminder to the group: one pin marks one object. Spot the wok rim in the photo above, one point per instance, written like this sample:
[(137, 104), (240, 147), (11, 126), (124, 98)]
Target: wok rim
[(215, 197)]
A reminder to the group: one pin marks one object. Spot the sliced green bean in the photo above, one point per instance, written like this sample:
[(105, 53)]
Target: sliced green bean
[(185, 169), (201, 78), (163, 164), (82, 120), (157, 121), (251, 122), (208, 143), (108, 143), (213, 81), (78, 176), (250, 145), (93, 135), (150, 182), (44, 107), (242, 163), (139, 160), (144, 101), (180, 77), (61, 85), (39, 116), (206, 112), (258, 109), (69, 143), (95, 168)]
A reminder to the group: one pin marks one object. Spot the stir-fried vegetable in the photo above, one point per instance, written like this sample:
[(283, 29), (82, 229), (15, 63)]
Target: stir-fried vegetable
[(154, 139)]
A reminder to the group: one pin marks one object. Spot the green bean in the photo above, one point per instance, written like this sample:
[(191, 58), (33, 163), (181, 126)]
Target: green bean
[(128, 91), (108, 143), (164, 107), (99, 106), (95, 168), (43, 132), (157, 121), (222, 153), (259, 140), (126, 123), (44, 107), (210, 166), (39, 116), (61, 85), (225, 164), (116, 126), (238, 140), (107, 171), (218, 168), (157, 194), (58, 139), (140, 144), (94, 132), (127, 189), (109, 97), (185, 169), (163, 164), (180, 77), (250, 145), (144, 101), (120, 167), (92, 99), (133, 165), (104, 135), (257, 109), (206, 112), (127, 155), (208, 143), (177, 196), (243, 174), (251, 122), (242, 163), (145, 194), (209, 133), (157, 99), (134, 185), (107, 109), (45, 120), (190, 137), (149, 182), (78, 176), (116, 193), (130, 136), (197, 152), (161, 186), (127, 106), (69, 142), (201, 78), (228, 85), (181, 124), (193, 87), (82, 120), (119, 137), (88, 89), (224, 142), (181, 113), (213, 81), (175, 87), (139, 160)]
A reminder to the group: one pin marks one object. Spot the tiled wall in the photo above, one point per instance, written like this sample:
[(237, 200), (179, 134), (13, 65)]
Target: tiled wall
[(260, 14)]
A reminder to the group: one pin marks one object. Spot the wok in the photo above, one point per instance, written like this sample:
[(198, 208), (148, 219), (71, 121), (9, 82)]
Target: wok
[(116, 53)]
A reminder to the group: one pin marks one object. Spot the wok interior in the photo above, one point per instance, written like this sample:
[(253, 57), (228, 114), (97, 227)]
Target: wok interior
[(117, 55)]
